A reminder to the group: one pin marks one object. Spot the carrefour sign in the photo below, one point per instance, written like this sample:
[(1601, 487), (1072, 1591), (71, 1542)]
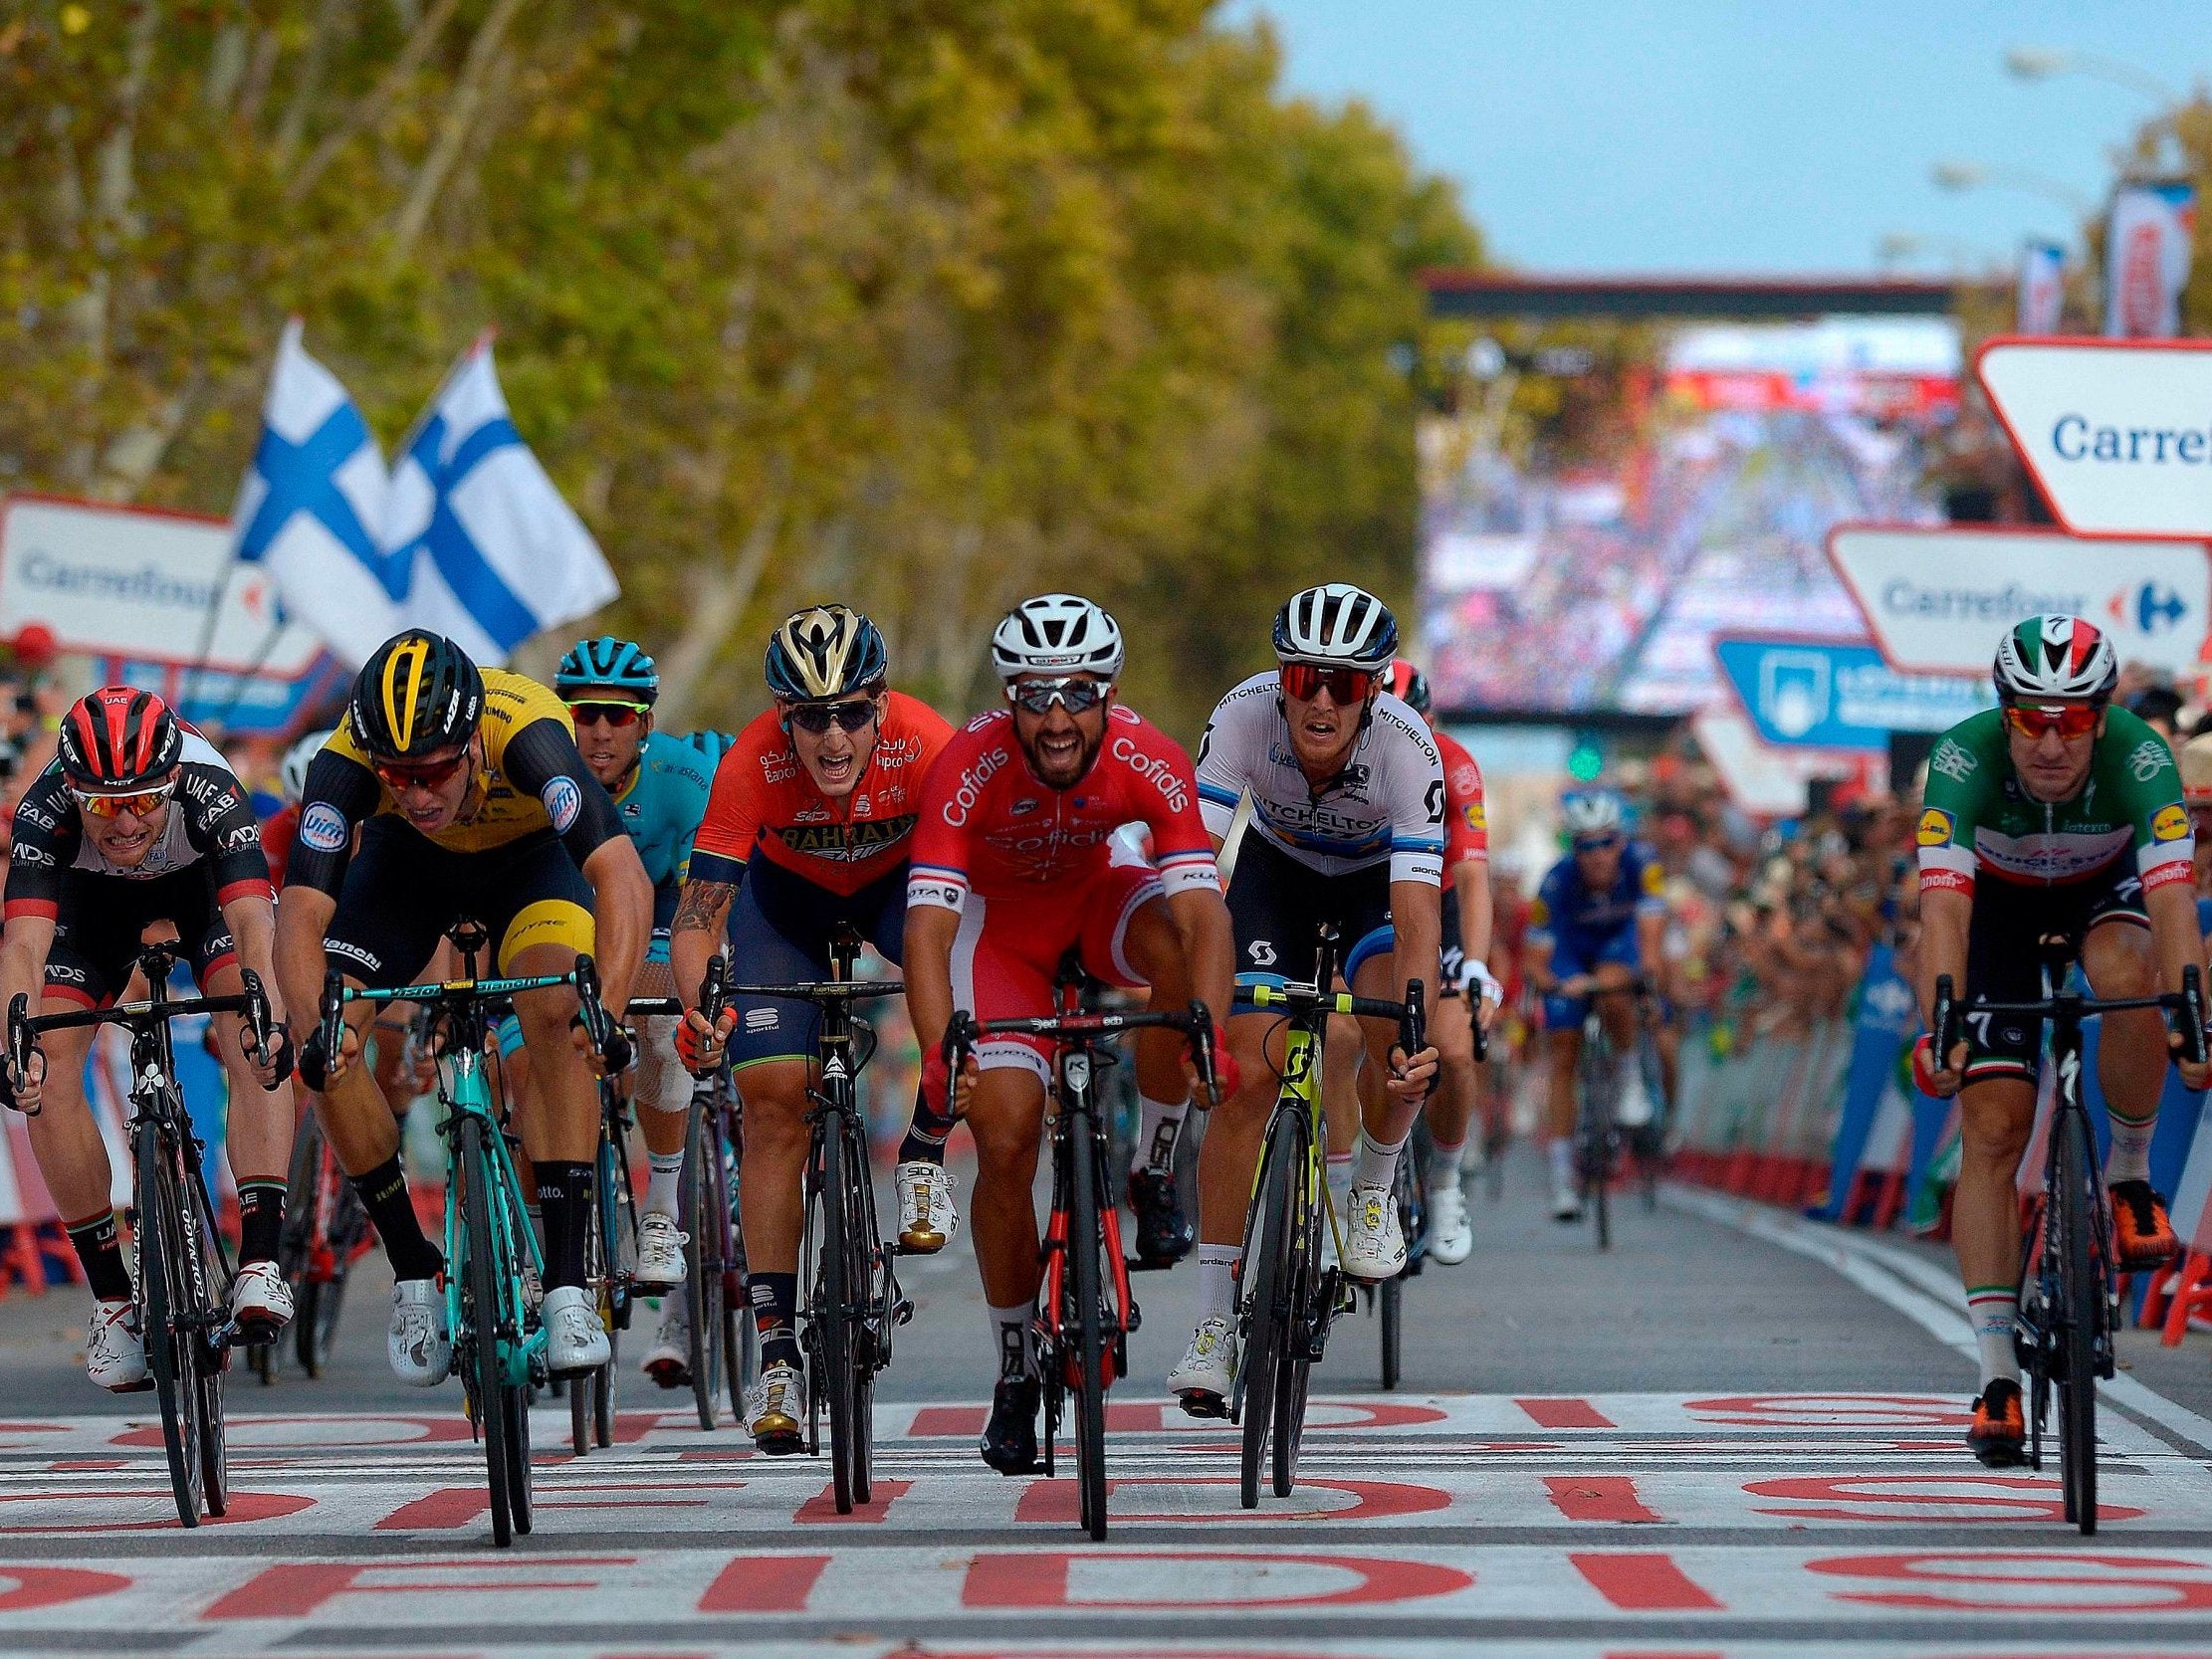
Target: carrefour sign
[(1936, 598), (2116, 433)]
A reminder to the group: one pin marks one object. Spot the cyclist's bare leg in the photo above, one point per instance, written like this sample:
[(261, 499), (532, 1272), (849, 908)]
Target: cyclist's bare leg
[(1996, 1117), (562, 1131), (1617, 1013), (1452, 1107), (362, 1131), (1344, 1088), (64, 1136), (257, 1130), (2131, 1058), (770, 1173), (1006, 1117), (1562, 1053), (1154, 949)]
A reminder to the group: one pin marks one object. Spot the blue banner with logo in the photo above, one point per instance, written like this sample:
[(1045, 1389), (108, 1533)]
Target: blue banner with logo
[(1826, 693), (1886, 1021)]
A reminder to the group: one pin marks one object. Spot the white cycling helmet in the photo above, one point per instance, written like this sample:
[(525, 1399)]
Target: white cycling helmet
[(297, 759), (2055, 657), (1592, 812), (1336, 625), (1056, 633)]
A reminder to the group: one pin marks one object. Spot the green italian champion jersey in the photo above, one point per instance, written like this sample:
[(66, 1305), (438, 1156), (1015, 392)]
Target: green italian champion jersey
[(1978, 818)]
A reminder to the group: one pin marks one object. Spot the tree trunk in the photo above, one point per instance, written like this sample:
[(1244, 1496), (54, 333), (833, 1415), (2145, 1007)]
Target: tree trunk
[(461, 110), (722, 597)]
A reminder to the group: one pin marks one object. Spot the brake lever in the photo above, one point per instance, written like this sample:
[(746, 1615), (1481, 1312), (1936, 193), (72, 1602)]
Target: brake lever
[(2193, 1045), (957, 1041), (1201, 1052), (1943, 1026), (1413, 1024)]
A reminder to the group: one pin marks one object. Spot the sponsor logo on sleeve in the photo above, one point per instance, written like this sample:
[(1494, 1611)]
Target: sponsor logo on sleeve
[(245, 835), (322, 827), (1954, 762), (562, 802), (1479, 817), (2170, 823), (2149, 759), (1935, 828)]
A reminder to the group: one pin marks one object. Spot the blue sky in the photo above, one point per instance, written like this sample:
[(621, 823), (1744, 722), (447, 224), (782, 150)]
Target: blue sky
[(1741, 136)]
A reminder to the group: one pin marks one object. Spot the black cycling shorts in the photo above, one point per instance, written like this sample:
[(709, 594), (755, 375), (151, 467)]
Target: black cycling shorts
[(1277, 905), (780, 925), (102, 920), (402, 891), (1455, 953), (2004, 962)]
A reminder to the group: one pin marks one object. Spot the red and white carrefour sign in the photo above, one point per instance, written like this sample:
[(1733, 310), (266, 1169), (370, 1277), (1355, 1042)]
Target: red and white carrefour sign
[(1937, 599), (2118, 434)]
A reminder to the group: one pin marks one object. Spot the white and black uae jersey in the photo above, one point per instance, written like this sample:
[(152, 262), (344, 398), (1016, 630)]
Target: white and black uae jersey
[(1387, 803)]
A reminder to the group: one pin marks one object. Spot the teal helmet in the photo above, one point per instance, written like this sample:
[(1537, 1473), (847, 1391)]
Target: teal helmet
[(713, 746), (608, 664)]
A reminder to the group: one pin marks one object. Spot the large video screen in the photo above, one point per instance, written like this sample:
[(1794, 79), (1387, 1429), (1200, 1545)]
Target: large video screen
[(1585, 560)]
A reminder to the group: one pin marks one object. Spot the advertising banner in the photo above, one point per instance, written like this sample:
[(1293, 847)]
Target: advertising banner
[(1887, 1020), (2042, 287), (1936, 599), (2118, 437), (1764, 781), (1830, 696), (2148, 242)]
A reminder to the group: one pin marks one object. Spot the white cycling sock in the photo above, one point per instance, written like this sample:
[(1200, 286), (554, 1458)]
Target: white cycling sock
[(2129, 1157), (1218, 1280), (1338, 1174), (1378, 1166), (1563, 1162), (1993, 1310), (1013, 1339), (660, 1192), (1444, 1164), (1158, 1126)]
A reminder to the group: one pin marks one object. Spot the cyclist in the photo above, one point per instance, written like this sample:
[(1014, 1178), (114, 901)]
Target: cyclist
[(2052, 814), (1347, 825), (659, 785), (470, 799), (1017, 863), (1595, 925), (138, 822), (1467, 991), (807, 831)]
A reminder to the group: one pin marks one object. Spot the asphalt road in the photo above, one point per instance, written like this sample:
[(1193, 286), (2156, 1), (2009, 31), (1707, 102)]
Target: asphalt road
[(1736, 1431)]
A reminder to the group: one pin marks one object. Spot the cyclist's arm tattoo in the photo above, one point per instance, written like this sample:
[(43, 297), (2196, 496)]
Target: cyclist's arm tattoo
[(703, 907)]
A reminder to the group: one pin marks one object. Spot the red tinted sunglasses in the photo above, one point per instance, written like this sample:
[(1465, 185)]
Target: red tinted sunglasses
[(431, 774), (2072, 719), (616, 714), (1304, 681)]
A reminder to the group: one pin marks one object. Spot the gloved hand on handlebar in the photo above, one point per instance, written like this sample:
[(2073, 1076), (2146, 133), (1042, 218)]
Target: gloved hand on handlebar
[(700, 1047), (317, 1067), (24, 1089), (272, 1063)]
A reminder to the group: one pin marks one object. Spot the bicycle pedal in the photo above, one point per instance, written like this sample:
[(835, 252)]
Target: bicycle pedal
[(902, 1312), (1142, 1264), (1136, 1317)]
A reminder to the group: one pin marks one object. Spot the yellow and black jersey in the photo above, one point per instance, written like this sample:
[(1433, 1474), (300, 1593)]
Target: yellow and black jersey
[(532, 785)]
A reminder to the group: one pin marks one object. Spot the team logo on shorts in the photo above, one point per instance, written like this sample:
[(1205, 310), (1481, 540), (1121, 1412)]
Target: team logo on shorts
[(322, 827), (564, 801), (2169, 824), (1935, 828)]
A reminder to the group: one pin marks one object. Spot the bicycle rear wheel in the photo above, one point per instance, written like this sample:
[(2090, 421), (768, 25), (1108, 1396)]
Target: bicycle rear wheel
[(477, 1342), (699, 1196), (619, 1223), (1081, 1285), (1268, 1306), (1595, 1142), (2080, 1315), (171, 1352), (863, 1256)]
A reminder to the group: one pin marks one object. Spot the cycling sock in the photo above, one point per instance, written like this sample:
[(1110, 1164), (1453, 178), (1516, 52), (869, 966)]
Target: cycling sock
[(383, 1193), (661, 1196), (99, 1246), (775, 1300), (1563, 1162), (260, 1219), (1444, 1164), (926, 1133), (1378, 1163), (1012, 1333), (1158, 1126), (565, 1188), (1993, 1310), (2129, 1157), (1217, 1279), (1338, 1174)]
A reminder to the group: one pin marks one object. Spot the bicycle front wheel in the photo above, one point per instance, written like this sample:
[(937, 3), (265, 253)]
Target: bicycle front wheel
[(1081, 1285), (705, 1251), (832, 1321), (863, 1260), (477, 1342), (1268, 1305), (171, 1352), (2079, 1314)]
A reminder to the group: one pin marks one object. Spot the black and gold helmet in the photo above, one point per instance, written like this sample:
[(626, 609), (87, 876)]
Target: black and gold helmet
[(825, 652), (417, 694)]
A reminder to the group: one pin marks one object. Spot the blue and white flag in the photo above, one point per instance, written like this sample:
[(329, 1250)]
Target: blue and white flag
[(311, 507), (2042, 297), (491, 553)]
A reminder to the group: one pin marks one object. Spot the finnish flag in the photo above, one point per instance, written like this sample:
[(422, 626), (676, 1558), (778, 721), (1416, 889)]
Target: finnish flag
[(312, 507), (489, 550)]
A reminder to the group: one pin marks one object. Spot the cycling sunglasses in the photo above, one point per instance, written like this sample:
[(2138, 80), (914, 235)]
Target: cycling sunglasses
[(428, 775), (2072, 719), (1078, 694), (616, 714), (138, 801), (819, 717), (1304, 681), (1596, 842)]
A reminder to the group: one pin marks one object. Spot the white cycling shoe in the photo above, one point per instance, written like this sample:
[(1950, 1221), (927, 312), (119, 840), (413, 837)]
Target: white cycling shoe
[(114, 1353), (1633, 1107), (927, 1215), (417, 1342), (1566, 1204), (575, 1340), (1451, 1234), (776, 1409), (1205, 1380), (259, 1302), (668, 1360), (1374, 1244), (660, 1253)]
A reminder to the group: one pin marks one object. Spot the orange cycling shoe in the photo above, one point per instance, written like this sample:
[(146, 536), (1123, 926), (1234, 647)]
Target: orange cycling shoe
[(2142, 1237), (1999, 1435)]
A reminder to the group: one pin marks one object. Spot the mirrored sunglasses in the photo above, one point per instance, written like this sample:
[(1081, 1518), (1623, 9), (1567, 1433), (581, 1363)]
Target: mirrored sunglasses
[(1596, 842), (616, 714), (138, 801), (431, 774), (819, 717), (2072, 719), (1078, 694), (1304, 682)]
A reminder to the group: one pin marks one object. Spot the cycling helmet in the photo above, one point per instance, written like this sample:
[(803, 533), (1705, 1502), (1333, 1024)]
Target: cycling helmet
[(418, 693), (1592, 812), (713, 744), (297, 759), (118, 739), (1336, 625), (1058, 633), (825, 652), (608, 664), (1410, 686), (2049, 657)]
